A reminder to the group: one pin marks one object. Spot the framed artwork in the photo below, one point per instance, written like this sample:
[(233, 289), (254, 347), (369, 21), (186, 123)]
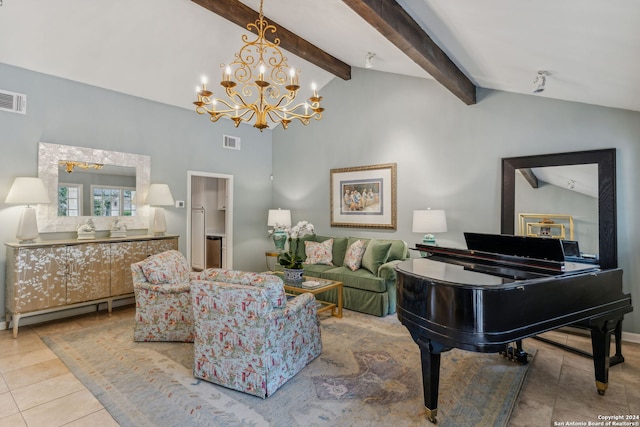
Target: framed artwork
[(364, 196), (553, 226)]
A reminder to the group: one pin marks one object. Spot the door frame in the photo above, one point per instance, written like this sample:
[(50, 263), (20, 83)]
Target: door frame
[(228, 218)]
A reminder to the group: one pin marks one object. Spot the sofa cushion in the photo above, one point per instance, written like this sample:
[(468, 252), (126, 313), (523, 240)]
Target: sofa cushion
[(339, 248), (168, 267), (359, 279), (375, 255), (319, 253), (353, 257), (316, 270)]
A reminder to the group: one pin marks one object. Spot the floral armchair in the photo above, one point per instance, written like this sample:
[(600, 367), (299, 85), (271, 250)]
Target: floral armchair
[(163, 300), (248, 336)]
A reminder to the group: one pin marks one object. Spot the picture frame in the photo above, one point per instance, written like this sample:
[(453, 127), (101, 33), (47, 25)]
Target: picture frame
[(364, 196), (555, 226)]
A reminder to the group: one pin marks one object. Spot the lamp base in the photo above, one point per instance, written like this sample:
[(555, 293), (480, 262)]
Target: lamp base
[(159, 225), (27, 226), (428, 239), (279, 239)]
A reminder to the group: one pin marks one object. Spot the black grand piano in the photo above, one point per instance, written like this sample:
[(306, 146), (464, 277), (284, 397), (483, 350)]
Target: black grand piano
[(497, 292)]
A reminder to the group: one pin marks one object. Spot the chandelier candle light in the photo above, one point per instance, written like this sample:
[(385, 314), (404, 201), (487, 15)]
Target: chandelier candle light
[(259, 85)]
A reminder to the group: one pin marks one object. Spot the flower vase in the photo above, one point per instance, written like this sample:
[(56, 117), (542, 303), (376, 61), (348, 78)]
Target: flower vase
[(293, 276)]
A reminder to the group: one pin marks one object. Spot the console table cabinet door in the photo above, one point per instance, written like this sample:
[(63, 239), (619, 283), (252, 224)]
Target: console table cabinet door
[(124, 254), (89, 272), (36, 278), (162, 245)]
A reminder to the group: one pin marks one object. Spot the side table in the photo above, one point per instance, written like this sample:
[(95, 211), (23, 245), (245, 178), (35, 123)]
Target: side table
[(272, 259)]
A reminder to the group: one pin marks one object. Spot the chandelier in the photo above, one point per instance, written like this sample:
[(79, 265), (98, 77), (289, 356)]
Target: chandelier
[(259, 86)]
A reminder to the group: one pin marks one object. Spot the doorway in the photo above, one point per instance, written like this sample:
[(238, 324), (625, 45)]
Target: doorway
[(209, 220)]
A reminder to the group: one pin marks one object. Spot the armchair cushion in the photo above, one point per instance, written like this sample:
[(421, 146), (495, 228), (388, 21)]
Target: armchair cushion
[(168, 267)]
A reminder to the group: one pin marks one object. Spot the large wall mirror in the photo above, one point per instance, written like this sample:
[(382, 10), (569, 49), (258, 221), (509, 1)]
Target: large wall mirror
[(585, 191), (86, 182)]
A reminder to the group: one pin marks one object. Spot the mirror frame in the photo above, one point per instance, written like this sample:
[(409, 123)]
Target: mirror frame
[(607, 206), (48, 168)]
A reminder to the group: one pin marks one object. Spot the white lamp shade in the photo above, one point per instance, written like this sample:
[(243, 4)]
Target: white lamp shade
[(429, 221), (279, 216), (159, 195), (27, 191)]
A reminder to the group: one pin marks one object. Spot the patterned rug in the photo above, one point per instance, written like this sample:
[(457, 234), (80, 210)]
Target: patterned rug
[(367, 375)]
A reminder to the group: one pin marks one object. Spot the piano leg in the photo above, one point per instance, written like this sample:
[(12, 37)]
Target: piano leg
[(430, 356), (618, 357), (601, 345)]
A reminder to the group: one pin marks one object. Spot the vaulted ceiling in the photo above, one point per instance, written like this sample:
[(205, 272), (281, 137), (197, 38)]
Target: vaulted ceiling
[(158, 49)]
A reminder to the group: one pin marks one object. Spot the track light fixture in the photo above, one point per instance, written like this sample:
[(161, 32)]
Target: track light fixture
[(541, 79), (368, 60)]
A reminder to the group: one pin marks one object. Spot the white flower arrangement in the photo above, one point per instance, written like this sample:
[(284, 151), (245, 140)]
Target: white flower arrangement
[(290, 259)]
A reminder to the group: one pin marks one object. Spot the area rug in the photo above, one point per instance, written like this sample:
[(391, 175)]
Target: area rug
[(367, 375)]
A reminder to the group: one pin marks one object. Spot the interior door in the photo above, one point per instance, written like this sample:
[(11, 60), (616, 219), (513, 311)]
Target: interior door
[(198, 238)]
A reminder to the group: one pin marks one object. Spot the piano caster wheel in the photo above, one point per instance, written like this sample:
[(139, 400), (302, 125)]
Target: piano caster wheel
[(431, 415), (516, 355), (601, 392)]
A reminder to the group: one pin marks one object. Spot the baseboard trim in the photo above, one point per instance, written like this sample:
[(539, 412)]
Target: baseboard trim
[(70, 312)]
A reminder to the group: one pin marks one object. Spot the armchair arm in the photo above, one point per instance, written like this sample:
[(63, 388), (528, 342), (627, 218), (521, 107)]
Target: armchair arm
[(301, 305), (162, 289)]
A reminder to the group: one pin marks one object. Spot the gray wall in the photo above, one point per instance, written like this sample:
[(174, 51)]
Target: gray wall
[(64, 112), (448, 155)]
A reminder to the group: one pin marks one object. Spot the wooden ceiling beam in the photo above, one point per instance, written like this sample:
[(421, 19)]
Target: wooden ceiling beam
[(530, 176), (240, 14), (393, 22)]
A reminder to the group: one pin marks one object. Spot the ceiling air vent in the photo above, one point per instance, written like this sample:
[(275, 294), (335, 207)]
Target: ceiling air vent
[(13, 102), (231, 142)]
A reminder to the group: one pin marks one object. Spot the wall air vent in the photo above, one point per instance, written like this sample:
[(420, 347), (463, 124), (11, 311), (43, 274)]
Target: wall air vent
[(13, 102), (231, 142)]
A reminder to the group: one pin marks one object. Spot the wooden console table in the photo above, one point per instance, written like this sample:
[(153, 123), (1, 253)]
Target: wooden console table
[(54, 275)]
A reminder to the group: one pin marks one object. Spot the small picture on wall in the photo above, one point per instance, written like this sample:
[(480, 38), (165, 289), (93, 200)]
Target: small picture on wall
[(364, 196)]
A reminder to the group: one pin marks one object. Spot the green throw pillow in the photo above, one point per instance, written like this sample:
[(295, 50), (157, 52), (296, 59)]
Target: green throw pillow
[(375, 255)]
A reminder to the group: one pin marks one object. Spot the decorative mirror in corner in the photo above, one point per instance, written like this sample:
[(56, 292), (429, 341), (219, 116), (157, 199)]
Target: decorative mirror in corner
[(90, 183), (602, 218)]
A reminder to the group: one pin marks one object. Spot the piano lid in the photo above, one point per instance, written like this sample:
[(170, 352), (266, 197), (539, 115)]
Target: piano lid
[(521, 246), (479, 275)]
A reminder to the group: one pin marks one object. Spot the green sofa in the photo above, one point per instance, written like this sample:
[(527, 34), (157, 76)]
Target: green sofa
[(370, 289)]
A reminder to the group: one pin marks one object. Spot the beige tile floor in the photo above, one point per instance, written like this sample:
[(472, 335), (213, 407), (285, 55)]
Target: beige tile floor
[(36, 388)]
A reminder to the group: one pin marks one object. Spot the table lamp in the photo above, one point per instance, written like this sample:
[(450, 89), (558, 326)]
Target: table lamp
[(27, 191), (280, 219), (429, 221), (159, 195)]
